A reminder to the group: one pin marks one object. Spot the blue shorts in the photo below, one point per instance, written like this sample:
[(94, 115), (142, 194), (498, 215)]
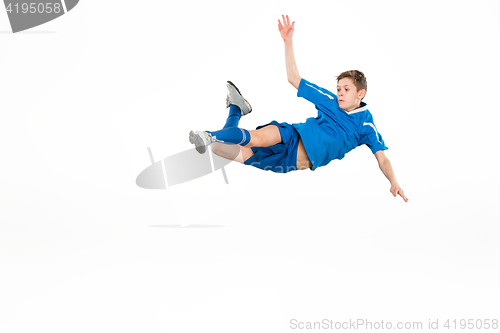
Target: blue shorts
[(281, 157)]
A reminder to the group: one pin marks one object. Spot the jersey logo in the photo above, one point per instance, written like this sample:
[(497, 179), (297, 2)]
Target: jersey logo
[(374, 128)]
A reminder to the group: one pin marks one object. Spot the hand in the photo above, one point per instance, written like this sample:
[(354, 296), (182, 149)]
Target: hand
[(395, 189), (286, 30)]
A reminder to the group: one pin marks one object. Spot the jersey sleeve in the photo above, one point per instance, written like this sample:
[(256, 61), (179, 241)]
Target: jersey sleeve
[(313, 93), (371, 137)]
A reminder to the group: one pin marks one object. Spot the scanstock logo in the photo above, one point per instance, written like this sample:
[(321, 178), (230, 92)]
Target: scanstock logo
[(26, 14), (184, 167)]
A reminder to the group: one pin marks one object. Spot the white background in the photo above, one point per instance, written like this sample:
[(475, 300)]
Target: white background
[(83, 249)]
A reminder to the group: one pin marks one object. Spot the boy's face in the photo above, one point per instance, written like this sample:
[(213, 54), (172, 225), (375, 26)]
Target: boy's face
[(348, 95)]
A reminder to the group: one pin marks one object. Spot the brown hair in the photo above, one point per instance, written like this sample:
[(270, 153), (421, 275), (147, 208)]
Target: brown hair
[(357, 77)]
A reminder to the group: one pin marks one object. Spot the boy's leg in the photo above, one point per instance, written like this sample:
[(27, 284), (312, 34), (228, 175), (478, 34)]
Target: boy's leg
[(233, 119), (263, 137), (233, 135), (232, 152), (230, 134)]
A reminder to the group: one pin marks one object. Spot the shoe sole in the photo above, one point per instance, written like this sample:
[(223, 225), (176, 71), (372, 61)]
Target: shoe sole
[(198, 142), (235, 87)]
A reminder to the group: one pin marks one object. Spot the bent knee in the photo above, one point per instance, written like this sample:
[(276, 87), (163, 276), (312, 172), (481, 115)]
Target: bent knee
[(265, 137), (256, 139)]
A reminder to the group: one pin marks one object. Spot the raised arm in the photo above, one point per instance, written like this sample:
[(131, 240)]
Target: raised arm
[(385, 166), (286, 31)]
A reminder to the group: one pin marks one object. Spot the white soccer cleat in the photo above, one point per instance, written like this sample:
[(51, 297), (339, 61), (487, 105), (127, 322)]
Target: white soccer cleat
[(201, 140), (234, 97)]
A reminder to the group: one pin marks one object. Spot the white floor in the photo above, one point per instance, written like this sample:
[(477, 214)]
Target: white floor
[(82, 248)]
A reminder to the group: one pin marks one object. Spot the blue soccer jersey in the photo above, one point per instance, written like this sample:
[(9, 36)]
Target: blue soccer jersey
[(334, 132)]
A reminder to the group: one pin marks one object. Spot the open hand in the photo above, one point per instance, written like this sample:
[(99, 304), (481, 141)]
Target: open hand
[(286, 29), (395, 189)]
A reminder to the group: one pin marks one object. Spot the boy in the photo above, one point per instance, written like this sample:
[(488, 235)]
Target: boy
[(342, 124)]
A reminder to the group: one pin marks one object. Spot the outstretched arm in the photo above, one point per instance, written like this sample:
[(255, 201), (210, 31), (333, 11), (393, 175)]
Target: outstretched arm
[(385, 166), (286, 31)]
